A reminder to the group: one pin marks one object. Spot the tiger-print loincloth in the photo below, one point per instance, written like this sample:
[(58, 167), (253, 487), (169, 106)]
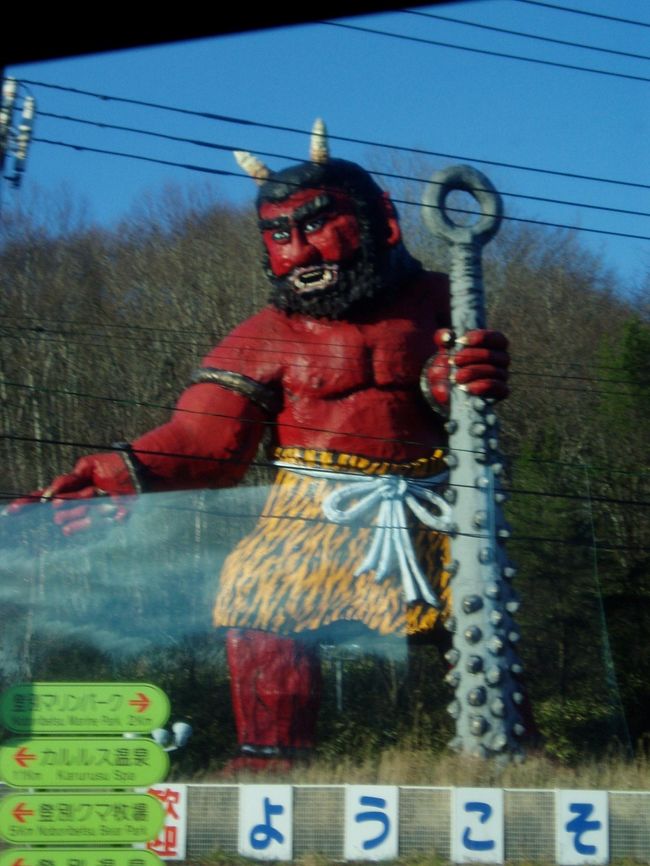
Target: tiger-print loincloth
[(295, 571)]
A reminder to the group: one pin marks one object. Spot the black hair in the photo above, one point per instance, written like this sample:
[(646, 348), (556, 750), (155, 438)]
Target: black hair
[(348, 177)]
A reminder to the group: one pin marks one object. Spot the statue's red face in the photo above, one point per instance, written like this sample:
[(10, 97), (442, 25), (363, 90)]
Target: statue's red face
[(308, 236)]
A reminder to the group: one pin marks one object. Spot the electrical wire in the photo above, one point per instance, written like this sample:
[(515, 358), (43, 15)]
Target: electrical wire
[(320, 521), (271, 424), (602, 15), (517, 539), (182, 411), (384, 174), (519, 33), (194, 347), (226, 173), (486, 51), (215, 334), (155, 160), (343, 138)]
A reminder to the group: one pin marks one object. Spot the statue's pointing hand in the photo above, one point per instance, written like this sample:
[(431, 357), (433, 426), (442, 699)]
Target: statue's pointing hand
[(97, 475)]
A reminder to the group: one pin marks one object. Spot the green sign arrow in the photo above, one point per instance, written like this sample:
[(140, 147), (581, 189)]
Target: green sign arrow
[(78, 857), (82, 763), (83, 708), (80, 818)]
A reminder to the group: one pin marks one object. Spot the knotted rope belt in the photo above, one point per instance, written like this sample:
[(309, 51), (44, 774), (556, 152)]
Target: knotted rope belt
[(385, 499)]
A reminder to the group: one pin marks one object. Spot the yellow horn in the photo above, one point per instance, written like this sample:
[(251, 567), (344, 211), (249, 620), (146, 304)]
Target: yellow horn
[(319, 150), (252, 165)]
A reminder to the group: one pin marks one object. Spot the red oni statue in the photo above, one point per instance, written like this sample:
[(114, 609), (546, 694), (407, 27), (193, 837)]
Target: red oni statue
[(348, 362)]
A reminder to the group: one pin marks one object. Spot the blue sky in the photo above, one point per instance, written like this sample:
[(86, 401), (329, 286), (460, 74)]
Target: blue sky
[(468, 105)]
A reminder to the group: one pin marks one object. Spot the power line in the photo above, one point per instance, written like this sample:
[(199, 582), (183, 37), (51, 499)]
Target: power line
[(155, 160), (37, 497), (319, 521), (486, 51), (224, 172), (37, 332), (343, 138), (585, 12), (212, 334), (271, 424), (519, 33), (385, 174), (150, 405), (153, 134), (192, 347)]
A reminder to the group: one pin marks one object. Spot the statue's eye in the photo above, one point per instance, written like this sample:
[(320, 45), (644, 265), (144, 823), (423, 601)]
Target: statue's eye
[(314, 225), (280, 236)]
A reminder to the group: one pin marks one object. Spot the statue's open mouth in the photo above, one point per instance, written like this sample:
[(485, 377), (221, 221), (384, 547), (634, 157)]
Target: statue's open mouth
[(314, 279)]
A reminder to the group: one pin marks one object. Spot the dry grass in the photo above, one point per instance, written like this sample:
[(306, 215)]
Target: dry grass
[(404, 766), (220, 858)]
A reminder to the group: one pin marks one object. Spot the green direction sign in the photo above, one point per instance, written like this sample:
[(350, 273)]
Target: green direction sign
[(80, 818), (78, 857), (83, 708), (82, 763)]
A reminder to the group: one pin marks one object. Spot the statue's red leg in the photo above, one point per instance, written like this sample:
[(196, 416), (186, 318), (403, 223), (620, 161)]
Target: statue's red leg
[(276, 688)]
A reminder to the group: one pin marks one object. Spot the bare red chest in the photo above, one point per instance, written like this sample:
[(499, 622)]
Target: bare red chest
[(331, 359)]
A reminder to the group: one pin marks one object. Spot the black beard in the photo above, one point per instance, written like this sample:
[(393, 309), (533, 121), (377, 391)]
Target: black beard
[(365, 283), (361, 284)]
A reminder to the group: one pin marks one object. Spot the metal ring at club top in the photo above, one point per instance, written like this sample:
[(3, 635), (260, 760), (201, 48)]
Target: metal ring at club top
[(468, 179)]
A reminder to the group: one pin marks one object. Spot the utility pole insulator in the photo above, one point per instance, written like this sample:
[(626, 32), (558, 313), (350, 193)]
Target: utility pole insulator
[(23, 139), (9, 88), (15, 142)]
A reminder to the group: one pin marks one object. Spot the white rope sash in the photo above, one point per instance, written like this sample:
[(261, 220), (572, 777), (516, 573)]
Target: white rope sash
[(385, 498)]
